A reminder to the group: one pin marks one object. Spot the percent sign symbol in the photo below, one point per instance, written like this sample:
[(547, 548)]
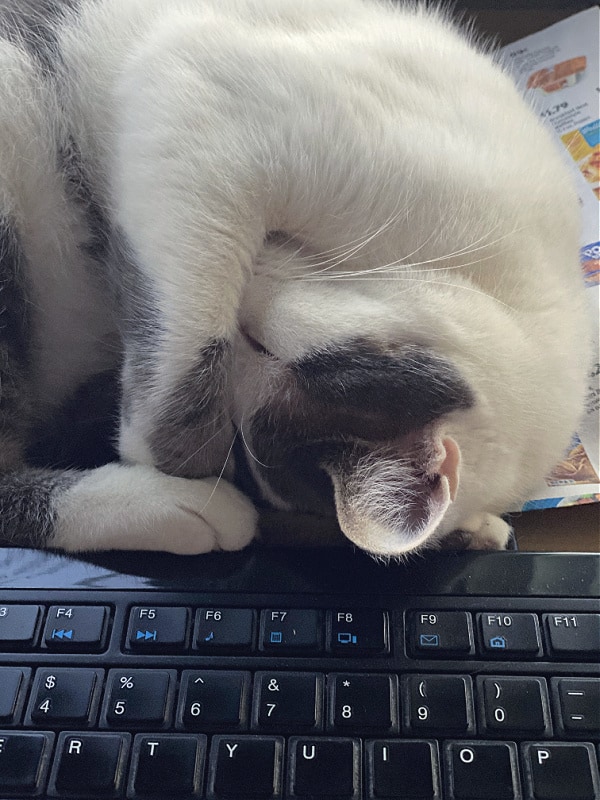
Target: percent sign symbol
[(126, 683)]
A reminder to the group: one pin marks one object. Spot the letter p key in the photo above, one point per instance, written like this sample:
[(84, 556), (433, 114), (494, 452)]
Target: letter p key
[(542, 755)]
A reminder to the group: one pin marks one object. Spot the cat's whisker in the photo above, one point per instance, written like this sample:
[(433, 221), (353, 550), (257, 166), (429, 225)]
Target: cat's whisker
[(247, 447), (398, 269), (203, 445), (416, 250), (363, 242), (416, 280), (347, 250), (399, 265), (220, 475)]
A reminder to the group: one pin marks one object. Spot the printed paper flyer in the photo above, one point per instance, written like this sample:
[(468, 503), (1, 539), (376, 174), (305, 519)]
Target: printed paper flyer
[(558, 71)]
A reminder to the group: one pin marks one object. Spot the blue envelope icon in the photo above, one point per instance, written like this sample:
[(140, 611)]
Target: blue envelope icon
[(429, 640)]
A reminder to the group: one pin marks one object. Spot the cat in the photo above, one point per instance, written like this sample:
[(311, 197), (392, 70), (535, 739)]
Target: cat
[(329, 230)]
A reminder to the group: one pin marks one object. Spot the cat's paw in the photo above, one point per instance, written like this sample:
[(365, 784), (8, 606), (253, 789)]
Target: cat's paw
[(479, 532), (139, 508)]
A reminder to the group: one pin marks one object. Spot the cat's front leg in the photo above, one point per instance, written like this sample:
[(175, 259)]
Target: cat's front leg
[(139, 508), (180, 295), (185, 258), (119, 507)]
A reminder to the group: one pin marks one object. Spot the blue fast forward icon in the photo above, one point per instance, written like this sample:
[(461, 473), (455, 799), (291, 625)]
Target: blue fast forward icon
[(429, 640), (145, 635)]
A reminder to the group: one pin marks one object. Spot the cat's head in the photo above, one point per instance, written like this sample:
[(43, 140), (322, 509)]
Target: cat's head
[(408, 406), (413, 356)]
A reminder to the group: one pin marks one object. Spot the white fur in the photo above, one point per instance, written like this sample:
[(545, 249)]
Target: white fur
[(375, 136), (138, 508)]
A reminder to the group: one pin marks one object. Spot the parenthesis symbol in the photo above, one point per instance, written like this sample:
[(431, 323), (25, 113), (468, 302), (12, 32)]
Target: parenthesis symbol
[(498, 690), (422, 691)]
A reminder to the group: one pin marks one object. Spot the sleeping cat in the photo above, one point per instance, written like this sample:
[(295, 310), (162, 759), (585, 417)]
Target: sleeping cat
[(329, 229)]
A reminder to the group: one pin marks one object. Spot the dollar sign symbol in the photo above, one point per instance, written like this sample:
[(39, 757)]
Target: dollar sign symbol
[(50, 682)]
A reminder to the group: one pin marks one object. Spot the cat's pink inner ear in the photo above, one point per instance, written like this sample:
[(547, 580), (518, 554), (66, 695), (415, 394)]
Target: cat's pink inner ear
[(392, 504), (449, 468)]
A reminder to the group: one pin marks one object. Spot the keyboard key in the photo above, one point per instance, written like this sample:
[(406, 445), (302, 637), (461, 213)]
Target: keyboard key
[(224, 629), (482, 771), (18, 626), (511, 705), (89, 765), (213, 700), (24, 759), (138, 698), (76, 628), (13, 685), (576, 635), (167, 766), (245, 768), (506, 635), (357, 632), (560, 771), (324, 768), (440, 704), (291, 630), (577, 705), (441, 633), (288, 701), (64, 697), (398, 769), (158, 629), (363, 702)]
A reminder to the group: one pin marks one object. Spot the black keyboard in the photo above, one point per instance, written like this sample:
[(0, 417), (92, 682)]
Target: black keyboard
[(303, 675)]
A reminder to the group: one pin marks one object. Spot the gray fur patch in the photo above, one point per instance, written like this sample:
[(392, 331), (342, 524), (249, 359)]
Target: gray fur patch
[(186, 439), (27, 507), (80, 434), (15, 400), (80, 192), (31, 24)]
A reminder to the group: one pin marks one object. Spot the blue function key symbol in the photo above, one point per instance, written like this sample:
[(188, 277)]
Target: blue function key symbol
[(146, 635), (498, 642), (61, 634), (276, 637), (429, 640), (347, 638)]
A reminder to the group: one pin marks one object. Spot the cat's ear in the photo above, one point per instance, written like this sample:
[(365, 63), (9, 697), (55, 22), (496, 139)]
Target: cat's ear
[(390, 500)]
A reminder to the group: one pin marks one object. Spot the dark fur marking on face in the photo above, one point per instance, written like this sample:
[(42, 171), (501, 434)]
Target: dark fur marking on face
[(194, 414), (30, 24), (377, 395), (338, 397)]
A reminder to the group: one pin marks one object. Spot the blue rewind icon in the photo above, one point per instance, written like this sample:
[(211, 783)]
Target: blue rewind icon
[(61, 634)]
